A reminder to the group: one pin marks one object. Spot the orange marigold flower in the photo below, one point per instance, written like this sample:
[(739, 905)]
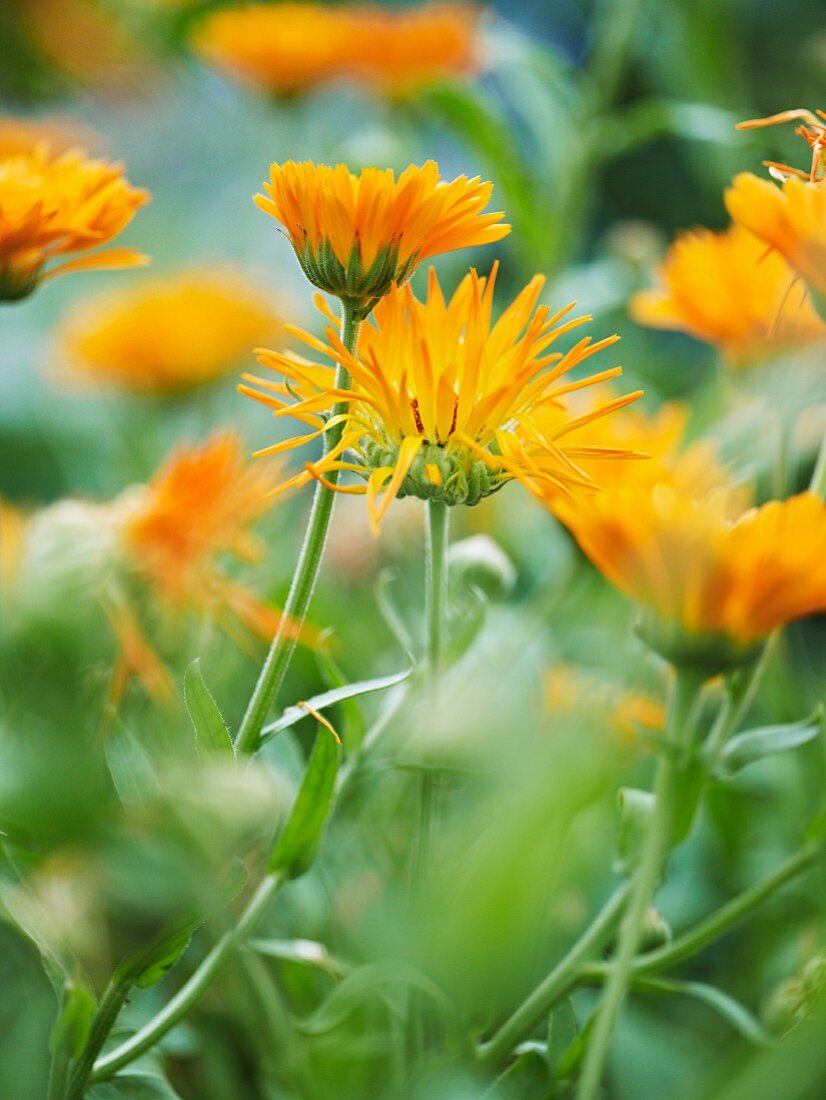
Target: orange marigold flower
[(443, 401), (285, 48), (726, 288), (790, 218), (166, 335), (51, 206), (355, 236), (198, 509), (27, 135), (13, 526), (706, 567)]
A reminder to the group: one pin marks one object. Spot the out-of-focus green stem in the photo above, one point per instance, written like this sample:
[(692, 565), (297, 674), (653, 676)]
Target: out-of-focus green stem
[(558, 983), (306, 572), (646, 878), (715, 925), (108, 1009), (818, 482), (191, 992)]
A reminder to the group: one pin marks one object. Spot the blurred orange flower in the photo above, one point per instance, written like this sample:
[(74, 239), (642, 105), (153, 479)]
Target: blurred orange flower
[(13, 525), (27, 135), (355, 236), (573, 691), (726, 288), (166, 335), (705, 565), (789, 217), (51, 206), (444, 400), (286, 48)]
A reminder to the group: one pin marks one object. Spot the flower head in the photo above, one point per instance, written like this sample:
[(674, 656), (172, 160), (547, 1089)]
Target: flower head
[(789, 217), (166, 335), (53, 206), (718, 578), (13, 526), (286, 48), (355, 236), (444, 401), (725, 288), (573, 692)]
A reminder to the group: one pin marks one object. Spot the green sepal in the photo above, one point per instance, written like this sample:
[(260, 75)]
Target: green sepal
[(636, 810)]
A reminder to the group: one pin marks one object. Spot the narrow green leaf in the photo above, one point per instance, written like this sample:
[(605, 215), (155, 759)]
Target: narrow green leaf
[(732, 1011), (71, 1028), (563, 1028), (352, 720), (298, 843), (636, 808), (211, 733), (526, 1078), (320, 702), (134, 1085), (370, 982), (753, 745), (389, 612), (304, 952)]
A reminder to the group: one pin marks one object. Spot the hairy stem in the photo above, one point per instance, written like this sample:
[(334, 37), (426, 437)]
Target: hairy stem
[(107, 1013), (306, 573), (645, 880)]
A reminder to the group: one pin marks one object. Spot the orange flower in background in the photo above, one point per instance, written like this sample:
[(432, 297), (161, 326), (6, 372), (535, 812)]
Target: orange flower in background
[(13, 526), (572, 691), (285, 48), (703, 564), (50, 207), (357, 235), (27, 135), (282, 48), (166, 335), (198, 509), (444, 401), (726, 289)]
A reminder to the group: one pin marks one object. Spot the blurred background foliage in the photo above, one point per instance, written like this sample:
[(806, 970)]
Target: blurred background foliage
[(605, 127)]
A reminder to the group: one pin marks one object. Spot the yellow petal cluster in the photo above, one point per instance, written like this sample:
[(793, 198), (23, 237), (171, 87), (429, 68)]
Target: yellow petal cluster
[(285, 48), (54, 206), (444, 401), (729, 290), (356, 235), (166, 335)]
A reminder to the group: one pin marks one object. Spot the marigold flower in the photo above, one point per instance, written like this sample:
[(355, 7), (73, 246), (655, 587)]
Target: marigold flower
[(285, 48), (53, 206), (726, 288), (790, 218), (443, 401), (166, 335), (355, 236), (27, 135), (13, 526), (706, 571)]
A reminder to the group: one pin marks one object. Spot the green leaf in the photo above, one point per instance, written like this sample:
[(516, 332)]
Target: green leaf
[(563, 1029), (71, 1028), (320, 702), (525, 1079), (134, 1086), (211, 733), (162, 960), (304, 952), (636, 808), (753, 745), (389, 612), (732, 1011), (368, 983), (467, 617), (298, 843), (352, 725)]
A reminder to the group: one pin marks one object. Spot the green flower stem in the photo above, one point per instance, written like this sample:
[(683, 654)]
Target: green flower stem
[(715, 925), (435, 582), (306, 573), (646, 877), (740, 691), (191, 992), (558, 983), (104, 1019), (818, 482)]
